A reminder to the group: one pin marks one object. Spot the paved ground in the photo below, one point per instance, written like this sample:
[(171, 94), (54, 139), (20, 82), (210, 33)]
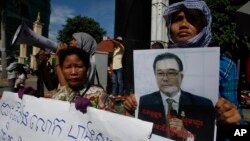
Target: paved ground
[(31, 81)]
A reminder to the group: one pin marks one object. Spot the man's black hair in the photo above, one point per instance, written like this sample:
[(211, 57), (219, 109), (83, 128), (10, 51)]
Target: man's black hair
[(168, 56)]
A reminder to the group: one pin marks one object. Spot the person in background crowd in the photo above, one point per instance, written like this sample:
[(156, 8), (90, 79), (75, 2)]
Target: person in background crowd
[(11, 73), (109, 74), (157, 45), (189, 25), (117, 73), (21, 77)]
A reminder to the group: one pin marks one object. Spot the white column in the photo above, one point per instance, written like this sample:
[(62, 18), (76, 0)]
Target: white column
[(158, 29), (22, 53), (37, 27)]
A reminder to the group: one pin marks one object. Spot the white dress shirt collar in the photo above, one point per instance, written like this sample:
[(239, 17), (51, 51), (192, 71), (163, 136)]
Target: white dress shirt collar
[(175, 103)]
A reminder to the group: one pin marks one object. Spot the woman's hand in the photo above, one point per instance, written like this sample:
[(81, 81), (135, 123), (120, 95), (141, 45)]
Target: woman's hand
[(60, 46), (130, 104), (43, 56), (227, 112), (176, 127)]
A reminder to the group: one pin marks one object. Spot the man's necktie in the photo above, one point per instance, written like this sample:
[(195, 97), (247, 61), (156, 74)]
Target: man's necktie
[(170, 113), (170, 105)]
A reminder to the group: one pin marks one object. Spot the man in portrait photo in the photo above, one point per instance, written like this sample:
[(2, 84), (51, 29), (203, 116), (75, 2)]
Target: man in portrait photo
[(177, 114)]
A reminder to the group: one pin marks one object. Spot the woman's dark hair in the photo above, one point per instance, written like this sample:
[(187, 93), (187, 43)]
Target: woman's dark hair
[(74, 51), (193, 16)]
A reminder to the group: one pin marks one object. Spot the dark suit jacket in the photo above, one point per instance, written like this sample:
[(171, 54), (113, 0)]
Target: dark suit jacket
[(197, 113)]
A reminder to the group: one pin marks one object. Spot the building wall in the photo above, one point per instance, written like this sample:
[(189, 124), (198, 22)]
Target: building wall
[(14, 19), (132, 22)]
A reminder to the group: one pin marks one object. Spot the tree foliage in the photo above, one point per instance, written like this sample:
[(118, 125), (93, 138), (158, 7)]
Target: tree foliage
[(224, 27), (81, 24)]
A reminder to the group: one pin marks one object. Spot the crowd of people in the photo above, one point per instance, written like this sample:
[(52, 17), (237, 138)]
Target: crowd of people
[(189, 25), (16, 74)]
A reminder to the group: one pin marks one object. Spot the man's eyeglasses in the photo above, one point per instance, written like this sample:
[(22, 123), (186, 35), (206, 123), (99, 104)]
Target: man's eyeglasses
[(170, 74)]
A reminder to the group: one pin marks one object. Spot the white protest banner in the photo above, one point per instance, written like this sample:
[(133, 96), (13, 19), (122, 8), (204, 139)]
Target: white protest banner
[(42, 119)]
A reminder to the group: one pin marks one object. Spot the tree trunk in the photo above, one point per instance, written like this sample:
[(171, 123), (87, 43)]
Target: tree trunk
[(3, 46)]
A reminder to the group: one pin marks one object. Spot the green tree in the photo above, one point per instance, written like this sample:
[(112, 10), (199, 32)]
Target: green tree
[(81, 24), (224, 27), (224, 32)]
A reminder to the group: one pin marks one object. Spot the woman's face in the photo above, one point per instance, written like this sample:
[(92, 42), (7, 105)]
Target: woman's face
[(74, 71), (181, 29)]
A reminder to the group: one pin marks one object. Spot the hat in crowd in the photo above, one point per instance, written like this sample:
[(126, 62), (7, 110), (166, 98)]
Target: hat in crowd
[(119, 39)]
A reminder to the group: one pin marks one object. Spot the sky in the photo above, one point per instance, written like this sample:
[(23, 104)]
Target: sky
[(102, 11)]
